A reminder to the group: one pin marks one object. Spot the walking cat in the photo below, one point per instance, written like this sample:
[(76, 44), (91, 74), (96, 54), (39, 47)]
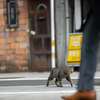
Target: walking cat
[(59, 74)]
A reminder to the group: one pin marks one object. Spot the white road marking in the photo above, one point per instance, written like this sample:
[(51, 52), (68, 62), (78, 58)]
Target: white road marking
[(39, 86), (41, 91), (44, 92), (20, 79)]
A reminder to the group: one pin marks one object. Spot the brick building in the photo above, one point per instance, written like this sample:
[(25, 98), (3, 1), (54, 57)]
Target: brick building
[(19, 50), (14, 40), (25, 32)]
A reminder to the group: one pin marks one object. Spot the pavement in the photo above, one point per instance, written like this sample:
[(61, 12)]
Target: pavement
[(37, 75), (37, 78), (33, 84)]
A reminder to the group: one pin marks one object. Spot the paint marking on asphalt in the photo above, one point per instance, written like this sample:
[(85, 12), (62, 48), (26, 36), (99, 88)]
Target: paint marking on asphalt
[(23, 79), (36, 86), (97, 88), (46, 92), (20, 79)]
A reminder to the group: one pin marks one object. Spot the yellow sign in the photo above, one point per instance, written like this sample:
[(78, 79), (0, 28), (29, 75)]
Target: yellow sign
[(74, 49), (75, 42)]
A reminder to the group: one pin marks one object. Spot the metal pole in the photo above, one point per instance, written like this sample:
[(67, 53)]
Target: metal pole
[(67, 22), (29, 35), (67, 27), (52, 33)]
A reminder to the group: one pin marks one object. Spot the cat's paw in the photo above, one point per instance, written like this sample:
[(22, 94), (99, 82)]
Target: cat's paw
[(47, 85)]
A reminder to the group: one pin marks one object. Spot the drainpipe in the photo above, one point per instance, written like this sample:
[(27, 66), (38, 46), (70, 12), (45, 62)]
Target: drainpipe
[(77, 14), (29, 36), (67, 27), (5, 35), (52, 33)]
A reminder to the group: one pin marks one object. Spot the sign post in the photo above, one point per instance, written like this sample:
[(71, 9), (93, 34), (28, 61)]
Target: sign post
[(52, 34)]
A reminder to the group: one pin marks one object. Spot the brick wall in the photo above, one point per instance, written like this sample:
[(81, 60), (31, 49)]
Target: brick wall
[(17, 43)]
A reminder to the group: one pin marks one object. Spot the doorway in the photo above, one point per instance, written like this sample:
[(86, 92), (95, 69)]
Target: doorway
[(41, 41)]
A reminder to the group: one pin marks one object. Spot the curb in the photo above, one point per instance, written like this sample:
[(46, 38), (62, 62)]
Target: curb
[(38, 81)]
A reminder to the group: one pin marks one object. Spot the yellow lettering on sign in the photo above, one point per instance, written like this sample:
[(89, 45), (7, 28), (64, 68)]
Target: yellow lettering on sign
[(74, 55), (75, 41)]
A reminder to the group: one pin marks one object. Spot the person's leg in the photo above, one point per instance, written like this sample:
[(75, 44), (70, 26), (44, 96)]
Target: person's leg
[(88, 63), (88, 56)]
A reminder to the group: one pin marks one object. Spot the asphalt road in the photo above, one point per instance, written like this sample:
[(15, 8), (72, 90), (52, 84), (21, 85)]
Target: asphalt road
[(36, 81), (29, 82), (40, 92), (20, 87)]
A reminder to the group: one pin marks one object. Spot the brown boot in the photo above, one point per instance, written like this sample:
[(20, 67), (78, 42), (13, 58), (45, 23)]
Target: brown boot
[(81, 95)]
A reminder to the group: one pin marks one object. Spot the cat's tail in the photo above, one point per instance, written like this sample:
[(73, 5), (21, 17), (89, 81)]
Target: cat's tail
[(51, 75), (50, 78)]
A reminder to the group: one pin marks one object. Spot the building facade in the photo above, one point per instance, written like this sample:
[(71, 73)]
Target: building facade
[(14, 39), (26, 32), (25, 35)]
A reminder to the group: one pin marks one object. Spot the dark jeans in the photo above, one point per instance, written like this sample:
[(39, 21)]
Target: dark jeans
[(89, 55)]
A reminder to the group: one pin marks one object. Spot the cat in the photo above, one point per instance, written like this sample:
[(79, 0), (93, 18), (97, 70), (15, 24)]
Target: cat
[(59, 74)]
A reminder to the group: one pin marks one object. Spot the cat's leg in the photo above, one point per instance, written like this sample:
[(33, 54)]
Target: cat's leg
[(56, 82), (69, 79), (49, 79), (60, 80), (47, 83), (60, 83)]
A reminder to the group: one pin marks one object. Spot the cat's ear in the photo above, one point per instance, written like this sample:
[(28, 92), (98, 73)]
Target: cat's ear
[(72, 66), (66, 66)]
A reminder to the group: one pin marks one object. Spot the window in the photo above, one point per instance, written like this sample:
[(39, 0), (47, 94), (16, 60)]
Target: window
[(72, 11), (41, 7), (12, 14)]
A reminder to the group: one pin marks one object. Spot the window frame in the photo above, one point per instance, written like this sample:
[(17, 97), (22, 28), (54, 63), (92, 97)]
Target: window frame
[(9, 25), (41, 4)]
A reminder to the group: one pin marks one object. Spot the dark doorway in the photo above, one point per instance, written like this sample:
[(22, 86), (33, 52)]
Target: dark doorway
[(41, 41)]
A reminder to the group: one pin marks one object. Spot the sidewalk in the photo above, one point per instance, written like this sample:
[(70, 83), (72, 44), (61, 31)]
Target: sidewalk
[(38, 75), (32, 83)]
